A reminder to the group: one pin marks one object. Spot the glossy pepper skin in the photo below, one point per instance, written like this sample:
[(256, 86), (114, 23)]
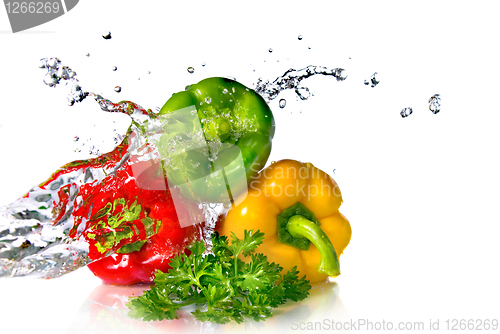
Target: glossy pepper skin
[(138, 262), (295, 196), (238, 127)]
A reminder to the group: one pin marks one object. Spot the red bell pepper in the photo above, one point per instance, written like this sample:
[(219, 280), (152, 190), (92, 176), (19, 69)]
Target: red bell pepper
[(120, 203)]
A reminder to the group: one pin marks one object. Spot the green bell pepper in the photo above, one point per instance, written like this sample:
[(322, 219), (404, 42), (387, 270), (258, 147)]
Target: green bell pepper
[(213, 156)]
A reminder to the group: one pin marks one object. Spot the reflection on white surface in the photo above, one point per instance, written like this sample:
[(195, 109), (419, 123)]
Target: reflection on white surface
[(104, 311)]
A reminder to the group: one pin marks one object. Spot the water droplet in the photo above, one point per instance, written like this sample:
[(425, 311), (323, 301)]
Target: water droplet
[(340, 74), (76, 138), (51, 79), (373, 80), (270, 50), (77, 93), (300, 37), (114, 68), (190, 69), (282, 103), (303, 92), (309, 48), (53, 62), (157, 109), (208, 100), (406, 112), (106, 35), (71, 73), (203, 64), (118, 89), (224, 91), (43, 63), (88, 54), (435, 103), (149, 72)]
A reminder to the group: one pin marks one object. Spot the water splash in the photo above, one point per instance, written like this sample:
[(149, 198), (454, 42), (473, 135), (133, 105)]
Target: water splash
[(46, 234), (435, 103), (406, 112), (58, 73), (291, 80)]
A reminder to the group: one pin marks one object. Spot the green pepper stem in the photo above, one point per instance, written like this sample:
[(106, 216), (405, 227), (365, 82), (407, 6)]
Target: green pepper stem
[(300, 227)]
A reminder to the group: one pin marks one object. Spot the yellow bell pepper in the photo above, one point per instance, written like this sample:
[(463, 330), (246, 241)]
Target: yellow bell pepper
[(296, 205)]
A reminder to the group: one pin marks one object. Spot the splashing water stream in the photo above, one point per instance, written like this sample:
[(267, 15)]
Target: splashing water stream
[(291, 80)]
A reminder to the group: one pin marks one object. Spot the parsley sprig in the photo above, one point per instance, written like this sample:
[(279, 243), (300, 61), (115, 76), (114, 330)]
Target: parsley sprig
[(224, 287)]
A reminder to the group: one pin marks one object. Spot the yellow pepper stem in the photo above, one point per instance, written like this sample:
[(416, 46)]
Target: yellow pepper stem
[(300, 227)]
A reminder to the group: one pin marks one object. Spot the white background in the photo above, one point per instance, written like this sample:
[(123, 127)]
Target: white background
[(421, 193)]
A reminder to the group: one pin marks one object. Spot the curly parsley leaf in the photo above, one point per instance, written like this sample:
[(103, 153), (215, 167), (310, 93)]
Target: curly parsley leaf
[(295, 289), (223, 286), (258, 273), (246, 246)]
